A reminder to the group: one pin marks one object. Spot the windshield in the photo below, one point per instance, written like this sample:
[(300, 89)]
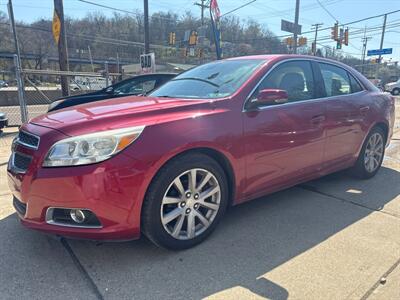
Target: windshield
[(213, 80)]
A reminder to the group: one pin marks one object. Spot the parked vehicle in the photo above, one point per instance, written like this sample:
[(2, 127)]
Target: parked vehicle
[(136, 85), (393, 87), (3, 121), (169, 164), (3, 84)]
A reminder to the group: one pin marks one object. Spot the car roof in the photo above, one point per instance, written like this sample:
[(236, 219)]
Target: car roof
[(276, 57)]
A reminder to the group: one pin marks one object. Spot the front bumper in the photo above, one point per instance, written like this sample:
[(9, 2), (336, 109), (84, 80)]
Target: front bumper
[(113, 190)]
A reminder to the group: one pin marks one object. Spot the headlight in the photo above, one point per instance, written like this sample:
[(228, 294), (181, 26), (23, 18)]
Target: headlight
[(90, 148)]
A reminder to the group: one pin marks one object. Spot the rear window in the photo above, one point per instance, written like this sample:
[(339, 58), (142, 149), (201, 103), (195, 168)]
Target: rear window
[(336, 80)]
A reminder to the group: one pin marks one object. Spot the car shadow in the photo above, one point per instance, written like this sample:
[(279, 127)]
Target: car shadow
[(253, 239)]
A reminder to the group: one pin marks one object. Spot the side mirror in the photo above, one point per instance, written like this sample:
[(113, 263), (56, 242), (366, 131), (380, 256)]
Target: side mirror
[(271, 97), (109, 90)]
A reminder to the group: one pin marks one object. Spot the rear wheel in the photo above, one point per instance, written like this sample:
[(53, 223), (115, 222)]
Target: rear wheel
[(396, 91), (185, 201), (371, 155)]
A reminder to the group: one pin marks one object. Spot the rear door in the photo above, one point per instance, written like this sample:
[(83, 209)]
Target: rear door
[(284, 142), (346, 111)]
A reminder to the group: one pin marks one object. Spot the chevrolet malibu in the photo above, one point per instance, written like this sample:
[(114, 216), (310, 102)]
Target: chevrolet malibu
[(170, 164)]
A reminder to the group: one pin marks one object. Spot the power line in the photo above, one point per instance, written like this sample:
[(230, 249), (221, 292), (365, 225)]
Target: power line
[(327, 11), (237, 8), (120, 10)]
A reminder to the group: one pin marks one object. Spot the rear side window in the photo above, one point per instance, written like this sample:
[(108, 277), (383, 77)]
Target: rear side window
[(355, 86), (336, 80), (140, 86), (295, 77)]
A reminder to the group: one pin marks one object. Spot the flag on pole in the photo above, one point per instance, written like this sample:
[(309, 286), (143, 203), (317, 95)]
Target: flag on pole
[(215, 10), (215, 15)]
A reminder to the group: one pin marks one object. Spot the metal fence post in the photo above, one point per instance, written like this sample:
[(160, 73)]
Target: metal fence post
[(20, 84), (107, 73)]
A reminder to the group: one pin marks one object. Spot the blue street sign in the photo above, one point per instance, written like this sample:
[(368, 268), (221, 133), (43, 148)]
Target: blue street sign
[(379, 52)]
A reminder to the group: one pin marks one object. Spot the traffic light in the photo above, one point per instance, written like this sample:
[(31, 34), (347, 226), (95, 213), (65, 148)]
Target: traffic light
[(302, 41), (172, 38), (346, 37), (313, 47), (335, 32), (339, 45), (289, 41), (193, 38)]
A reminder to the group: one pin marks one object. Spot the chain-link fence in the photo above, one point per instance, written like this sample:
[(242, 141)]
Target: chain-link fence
[(42, 87)]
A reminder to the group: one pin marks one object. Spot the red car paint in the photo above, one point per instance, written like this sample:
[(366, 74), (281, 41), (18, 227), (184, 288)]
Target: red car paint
[(265, 150)]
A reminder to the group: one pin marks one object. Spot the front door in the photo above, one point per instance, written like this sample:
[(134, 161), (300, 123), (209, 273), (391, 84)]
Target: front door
[(284, 142)]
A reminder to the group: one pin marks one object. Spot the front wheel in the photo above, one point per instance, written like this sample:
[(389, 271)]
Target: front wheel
[(371, 155), (185, 201), (396, 92)]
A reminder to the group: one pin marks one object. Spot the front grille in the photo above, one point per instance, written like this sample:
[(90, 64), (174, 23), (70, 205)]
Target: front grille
[(21, 161), (28, 140), (19, 206)]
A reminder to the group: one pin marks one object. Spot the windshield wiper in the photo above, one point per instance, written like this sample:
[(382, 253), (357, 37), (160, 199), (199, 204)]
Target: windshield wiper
[(198, 79)]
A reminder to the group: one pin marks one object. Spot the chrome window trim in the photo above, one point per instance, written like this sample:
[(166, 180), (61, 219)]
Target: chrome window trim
[(301, 101), (27, 145), (50, 221), (347, 71)]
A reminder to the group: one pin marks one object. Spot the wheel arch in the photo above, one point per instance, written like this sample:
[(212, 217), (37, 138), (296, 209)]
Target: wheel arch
[(380, 124), (384, 127), (214, 154)]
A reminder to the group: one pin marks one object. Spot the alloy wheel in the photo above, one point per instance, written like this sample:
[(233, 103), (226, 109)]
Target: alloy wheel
[(373, 152), (190, 204)]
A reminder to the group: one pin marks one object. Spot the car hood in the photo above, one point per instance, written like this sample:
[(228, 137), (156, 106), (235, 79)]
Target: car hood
[(120, 112)]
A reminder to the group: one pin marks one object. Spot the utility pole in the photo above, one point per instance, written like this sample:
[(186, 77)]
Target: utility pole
[(316, 26), (146, 27), (18, 66), (383, 36), (296, 24), (203, 6), (365, 40), (62, 46), (91, 58)]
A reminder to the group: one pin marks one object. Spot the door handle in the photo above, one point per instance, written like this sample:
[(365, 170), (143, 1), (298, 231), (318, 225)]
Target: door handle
[(364, 109), (317, 119)]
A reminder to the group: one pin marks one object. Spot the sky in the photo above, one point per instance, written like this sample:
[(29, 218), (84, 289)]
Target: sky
[(267, 12)]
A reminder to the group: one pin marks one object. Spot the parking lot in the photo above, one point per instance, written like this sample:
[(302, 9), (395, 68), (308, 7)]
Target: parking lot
[(332, 238)]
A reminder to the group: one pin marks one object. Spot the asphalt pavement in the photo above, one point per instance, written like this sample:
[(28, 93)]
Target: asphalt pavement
[(333, 238)]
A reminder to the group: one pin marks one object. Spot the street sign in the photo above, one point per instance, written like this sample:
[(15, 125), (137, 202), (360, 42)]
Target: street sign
[(148, 63), (379, 52), (290, 27), (56, 27)]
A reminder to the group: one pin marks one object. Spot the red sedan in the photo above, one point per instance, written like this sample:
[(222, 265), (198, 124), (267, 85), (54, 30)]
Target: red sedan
[(171, 163)]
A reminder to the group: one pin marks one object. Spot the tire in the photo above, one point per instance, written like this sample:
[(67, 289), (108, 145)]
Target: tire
[(362, 169), (169, 207), (396, 92)]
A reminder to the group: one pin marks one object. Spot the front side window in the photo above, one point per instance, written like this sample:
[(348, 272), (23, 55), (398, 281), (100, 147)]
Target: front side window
[(295, 77), (209, 81), (336, 80)]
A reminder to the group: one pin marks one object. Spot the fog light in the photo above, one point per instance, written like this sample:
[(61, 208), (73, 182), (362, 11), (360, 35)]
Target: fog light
[(77, 215)]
